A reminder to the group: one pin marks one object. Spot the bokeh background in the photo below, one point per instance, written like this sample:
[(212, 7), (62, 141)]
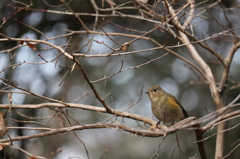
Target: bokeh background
[(174, 75)]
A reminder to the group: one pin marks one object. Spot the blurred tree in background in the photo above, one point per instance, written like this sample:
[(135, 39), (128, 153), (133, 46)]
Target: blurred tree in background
[(73, 76)]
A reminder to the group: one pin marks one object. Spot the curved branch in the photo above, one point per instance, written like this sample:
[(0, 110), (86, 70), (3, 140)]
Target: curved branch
[(71, 58), (146, 133), (225, 74), (81, 106)]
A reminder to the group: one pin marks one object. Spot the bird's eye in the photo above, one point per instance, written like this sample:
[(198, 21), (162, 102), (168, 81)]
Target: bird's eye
[(155, 90)]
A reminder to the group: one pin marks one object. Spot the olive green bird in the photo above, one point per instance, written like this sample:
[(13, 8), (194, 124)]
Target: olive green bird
[(165, 107)]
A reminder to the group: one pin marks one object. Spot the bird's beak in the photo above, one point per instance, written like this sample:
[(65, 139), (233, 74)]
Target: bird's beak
[(147, 92)]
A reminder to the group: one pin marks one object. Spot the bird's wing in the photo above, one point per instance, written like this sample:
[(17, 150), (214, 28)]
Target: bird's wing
[(175, 103)]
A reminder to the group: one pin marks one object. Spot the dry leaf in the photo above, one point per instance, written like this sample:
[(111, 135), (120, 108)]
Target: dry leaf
[(2, 146), (3, 129), (10, 98), (32, 46), (125, 47), (21, 42), (10, 102)]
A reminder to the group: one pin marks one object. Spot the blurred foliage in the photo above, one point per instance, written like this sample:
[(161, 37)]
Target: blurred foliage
[(174, 75)]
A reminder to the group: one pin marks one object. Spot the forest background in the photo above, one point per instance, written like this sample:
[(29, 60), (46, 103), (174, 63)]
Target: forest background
[(73, 77)]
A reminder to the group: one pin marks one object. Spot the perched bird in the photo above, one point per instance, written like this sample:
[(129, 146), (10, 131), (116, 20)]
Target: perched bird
[(165, 106)]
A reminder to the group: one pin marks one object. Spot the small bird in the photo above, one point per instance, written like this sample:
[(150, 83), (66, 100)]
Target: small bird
[(165, 106)]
